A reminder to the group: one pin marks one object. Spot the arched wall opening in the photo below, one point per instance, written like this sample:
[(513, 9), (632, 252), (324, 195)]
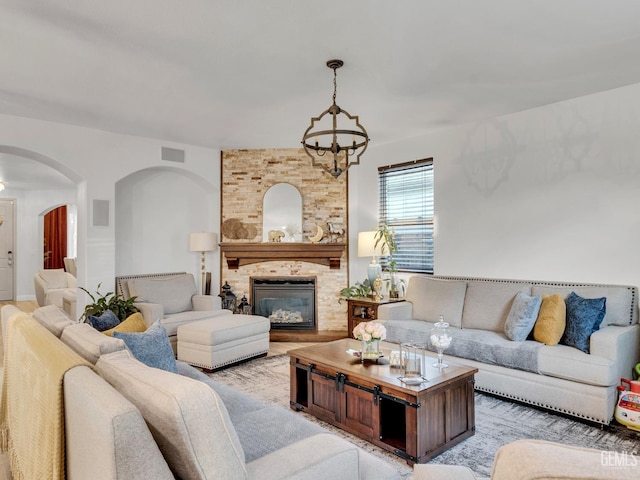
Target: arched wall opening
[(32, 203)]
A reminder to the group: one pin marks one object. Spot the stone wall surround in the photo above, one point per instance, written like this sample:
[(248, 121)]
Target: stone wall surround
[(246, 176)]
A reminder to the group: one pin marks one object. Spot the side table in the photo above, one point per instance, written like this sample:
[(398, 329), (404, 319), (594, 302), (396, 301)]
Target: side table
[(364, 310)]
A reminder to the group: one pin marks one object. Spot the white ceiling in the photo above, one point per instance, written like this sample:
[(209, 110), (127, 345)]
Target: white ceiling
[(250, 73)]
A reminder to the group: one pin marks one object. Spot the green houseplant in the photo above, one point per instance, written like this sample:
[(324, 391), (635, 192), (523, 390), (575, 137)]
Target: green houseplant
[(109, 301), (359, 290), (386, 236)]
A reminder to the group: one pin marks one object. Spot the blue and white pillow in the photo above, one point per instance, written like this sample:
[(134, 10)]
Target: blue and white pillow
[(151, 347)]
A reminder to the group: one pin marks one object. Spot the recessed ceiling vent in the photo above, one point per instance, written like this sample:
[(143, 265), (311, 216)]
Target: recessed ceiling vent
[(172, 155)]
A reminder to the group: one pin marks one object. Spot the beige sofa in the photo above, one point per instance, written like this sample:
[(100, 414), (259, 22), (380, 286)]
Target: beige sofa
[(560, 377), (125, 420), (539, 460)]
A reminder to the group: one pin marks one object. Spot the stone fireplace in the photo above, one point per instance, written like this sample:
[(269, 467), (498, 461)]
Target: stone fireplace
[(288, 302), (246, 175)]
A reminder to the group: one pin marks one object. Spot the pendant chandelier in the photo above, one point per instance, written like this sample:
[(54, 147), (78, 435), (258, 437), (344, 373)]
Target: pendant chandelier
[(345, 144)]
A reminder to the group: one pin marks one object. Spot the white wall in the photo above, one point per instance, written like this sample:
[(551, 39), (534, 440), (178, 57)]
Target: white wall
[(550, 194), (96, 160)]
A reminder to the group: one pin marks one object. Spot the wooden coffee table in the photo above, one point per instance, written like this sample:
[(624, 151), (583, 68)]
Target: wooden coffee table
[(368, 400)]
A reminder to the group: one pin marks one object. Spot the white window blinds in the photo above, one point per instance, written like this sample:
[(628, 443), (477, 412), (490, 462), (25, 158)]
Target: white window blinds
[(406, 205)]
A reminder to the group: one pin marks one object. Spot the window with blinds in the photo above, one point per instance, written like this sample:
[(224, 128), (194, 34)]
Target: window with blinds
[(406, 205)]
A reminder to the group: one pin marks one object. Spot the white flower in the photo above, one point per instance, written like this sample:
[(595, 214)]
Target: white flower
[(368, 331)]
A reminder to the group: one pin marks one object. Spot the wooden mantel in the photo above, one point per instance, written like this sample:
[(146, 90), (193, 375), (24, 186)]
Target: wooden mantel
[(238, 254)]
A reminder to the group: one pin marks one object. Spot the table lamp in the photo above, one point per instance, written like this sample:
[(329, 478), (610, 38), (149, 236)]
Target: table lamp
[(367, 248), (203, 242)]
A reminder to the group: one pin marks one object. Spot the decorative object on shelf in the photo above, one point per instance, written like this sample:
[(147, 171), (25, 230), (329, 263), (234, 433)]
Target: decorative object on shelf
[(326, 136), (334, 232), (234, 229), (440, 338), (275, 236), (316, 237), (368, 247), (412, 357), (377, 289), (244, 307), (370, 334), (203, 242), (291, 229), (228, 298)]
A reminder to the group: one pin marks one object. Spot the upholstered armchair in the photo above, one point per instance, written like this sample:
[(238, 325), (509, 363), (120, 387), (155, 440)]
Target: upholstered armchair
[(171, 298), (51, 284)]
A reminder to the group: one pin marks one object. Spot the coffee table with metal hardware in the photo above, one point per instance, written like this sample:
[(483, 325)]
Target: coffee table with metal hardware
[(416, 422)]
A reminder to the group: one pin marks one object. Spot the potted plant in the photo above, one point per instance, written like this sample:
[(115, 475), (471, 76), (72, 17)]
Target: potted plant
[(359, 290), (109, 301), (387, 237)]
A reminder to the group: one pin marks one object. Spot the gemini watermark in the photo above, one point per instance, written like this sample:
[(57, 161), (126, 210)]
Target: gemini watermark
[(618, 459)]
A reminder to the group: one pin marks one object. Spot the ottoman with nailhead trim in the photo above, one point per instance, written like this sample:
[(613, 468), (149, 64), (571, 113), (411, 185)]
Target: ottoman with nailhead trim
[(222, 341)]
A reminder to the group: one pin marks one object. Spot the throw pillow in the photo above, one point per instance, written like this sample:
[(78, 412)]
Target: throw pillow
[(551, 321), (103, 322), (151, 347), (583, 318), (132, 324), (522, 316)]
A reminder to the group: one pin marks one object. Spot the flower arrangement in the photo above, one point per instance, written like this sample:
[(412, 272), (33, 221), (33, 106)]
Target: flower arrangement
[(369, 331)]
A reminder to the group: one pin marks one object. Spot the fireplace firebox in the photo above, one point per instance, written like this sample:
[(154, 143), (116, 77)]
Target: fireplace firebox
[(288, 302)]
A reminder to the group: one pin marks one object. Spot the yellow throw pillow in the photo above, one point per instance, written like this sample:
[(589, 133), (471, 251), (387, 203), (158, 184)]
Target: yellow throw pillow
[(552, 320), (133, 324)]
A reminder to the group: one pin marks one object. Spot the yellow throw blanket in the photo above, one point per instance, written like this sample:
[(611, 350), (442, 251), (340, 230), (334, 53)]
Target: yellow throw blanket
[(32, 404)]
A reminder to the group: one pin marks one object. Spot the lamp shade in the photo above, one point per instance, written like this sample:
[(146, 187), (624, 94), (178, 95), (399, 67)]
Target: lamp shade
[(367, 245), (202, 242)]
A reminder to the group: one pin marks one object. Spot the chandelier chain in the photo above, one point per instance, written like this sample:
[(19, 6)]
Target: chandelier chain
[(335, 85)]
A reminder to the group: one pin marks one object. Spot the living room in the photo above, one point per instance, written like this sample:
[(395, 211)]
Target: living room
[(545, 191)]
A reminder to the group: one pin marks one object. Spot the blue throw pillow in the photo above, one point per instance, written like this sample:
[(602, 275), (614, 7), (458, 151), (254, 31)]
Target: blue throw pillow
[(522, 316), (584, 316), (104, 322), (151, 347)]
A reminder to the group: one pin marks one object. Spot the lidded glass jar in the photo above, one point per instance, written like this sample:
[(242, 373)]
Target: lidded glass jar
[(440, 338)]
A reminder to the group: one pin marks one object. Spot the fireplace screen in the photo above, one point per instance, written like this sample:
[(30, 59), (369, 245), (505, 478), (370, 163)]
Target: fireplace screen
[(289, 303)]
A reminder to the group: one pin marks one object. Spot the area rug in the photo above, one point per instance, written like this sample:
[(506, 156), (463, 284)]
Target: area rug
[(498, 421)]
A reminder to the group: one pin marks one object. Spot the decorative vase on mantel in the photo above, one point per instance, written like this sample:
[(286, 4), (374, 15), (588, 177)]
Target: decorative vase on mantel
[(370, 350)]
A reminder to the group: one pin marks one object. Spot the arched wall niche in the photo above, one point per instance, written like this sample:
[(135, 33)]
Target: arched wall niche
[(155, 211)]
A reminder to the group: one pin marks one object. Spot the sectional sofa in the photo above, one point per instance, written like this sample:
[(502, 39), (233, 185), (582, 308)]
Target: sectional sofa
[(559, 377), (126, 420)]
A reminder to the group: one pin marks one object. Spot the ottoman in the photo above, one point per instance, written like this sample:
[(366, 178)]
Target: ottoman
[(217, 342)]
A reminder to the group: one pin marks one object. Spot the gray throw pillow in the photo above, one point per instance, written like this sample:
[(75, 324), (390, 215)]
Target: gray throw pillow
[(522, 316), (151, 347), (103, 322)]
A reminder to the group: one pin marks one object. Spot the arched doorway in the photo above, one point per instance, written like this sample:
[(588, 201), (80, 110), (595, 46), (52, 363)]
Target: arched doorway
[(37, 184)]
